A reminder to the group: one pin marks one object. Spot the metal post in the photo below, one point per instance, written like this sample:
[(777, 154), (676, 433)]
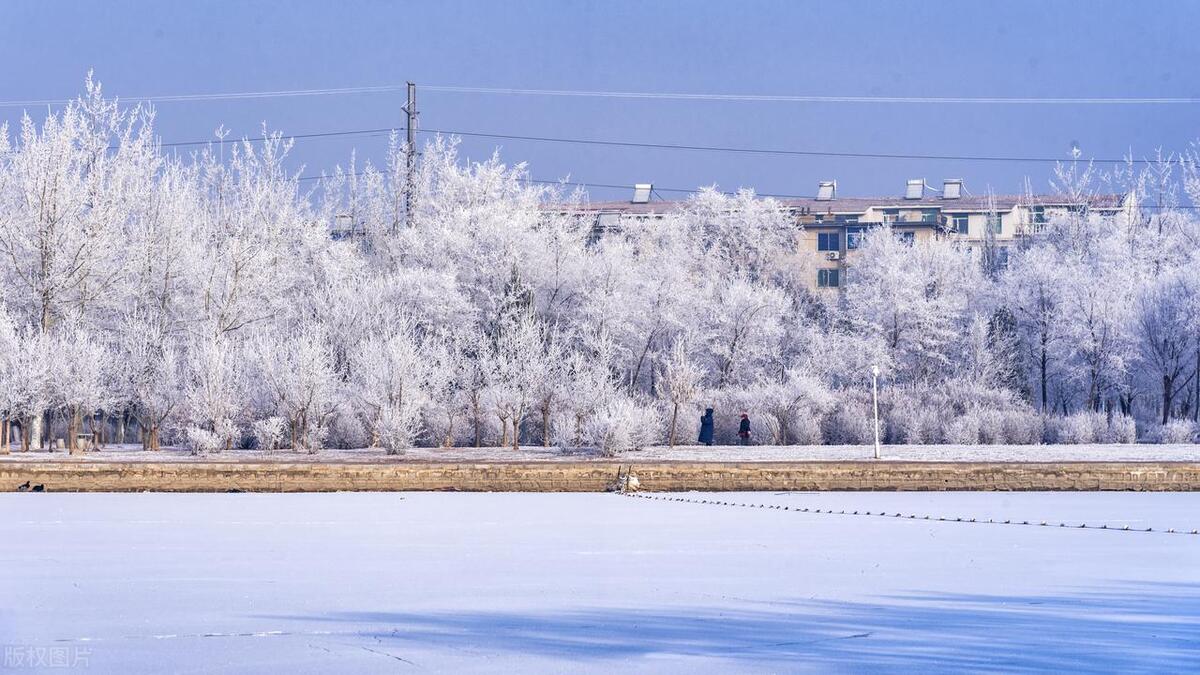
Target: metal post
[(875, 401), (410, 148)]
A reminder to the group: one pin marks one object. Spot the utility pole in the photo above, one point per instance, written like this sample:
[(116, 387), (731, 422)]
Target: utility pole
[(410, 149)]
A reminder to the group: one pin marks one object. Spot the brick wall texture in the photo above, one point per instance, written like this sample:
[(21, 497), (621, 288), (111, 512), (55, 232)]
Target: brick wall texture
[(67, 476)]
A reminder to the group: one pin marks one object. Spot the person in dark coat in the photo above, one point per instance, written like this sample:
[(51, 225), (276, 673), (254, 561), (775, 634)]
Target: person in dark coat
[(744, 429), (706, 427)]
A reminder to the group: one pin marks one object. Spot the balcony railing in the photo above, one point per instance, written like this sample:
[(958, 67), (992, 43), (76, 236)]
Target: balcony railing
[(933, 219)]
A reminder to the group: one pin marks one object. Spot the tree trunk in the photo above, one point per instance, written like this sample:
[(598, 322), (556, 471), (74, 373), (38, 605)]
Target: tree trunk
[(1196, 385), (121, 421), (674, 418), (98, 429), (74, 428), (34, 436), (476, 419), (546, 423), (1042, 367), (4, 446), (1168, 386), (503, 431)]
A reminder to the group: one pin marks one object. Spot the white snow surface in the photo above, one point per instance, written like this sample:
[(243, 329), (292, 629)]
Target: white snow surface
[(720, 453), (443, 582)]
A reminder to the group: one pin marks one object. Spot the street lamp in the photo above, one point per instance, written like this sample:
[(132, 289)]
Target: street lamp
[(875, 401)]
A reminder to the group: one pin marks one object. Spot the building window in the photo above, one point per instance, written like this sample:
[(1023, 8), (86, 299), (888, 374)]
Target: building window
[(854, 236), (960, 223), (929, 216), (994, 223), (1037, 215), (891, 215), (829, 241), (906, 237), (827, 278)]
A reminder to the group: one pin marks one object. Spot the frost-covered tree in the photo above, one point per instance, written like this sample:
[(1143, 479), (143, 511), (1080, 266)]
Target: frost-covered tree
[(295, 374), (9, 349), (1166, 323), (518, 362), (681, 377), (214, 393), (1033, 286), (78, 383), (914, 296), (64, 199), (389, 387)]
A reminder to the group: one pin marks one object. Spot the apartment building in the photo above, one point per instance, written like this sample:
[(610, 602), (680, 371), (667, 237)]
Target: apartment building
[(834, 226)]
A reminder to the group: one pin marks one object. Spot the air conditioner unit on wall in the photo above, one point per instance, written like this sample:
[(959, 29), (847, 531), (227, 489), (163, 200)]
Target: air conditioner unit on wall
[(833, 255)]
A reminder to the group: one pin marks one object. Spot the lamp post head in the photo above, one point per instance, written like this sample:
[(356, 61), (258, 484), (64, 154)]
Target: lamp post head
[(875, 371)]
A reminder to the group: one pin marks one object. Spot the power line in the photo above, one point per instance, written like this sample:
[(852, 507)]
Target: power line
[(672, 146), (256, 139), (585, 184), (676, 96), (227, 96), (785, 98), (771, 151)]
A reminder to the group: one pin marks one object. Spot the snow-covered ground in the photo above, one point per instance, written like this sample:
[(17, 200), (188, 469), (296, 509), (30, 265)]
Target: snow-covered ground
[(370, 582), (723, 453)]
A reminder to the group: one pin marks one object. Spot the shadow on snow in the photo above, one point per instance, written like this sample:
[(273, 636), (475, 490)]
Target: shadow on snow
[(1143, 626)]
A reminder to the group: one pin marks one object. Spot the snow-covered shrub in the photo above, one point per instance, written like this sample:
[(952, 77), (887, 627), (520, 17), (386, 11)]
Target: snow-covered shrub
[(768, 431), (991, 426), (798, 405), (781, 413), (396, 427), (268, 433), (1079, 428), (916, 426), (1091, 427), (1023, 427), (623, 424), (1177, 431), (964, 429), (202, 441), (1122, 429), (806, 430), (850, 422), (346, 431)]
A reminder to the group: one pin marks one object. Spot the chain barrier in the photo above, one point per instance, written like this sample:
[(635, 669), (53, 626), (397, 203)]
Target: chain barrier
[(905, 516)]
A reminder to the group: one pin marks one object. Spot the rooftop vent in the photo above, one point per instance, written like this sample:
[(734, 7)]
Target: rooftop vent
[(825, 190), (915, 189), (641, 192), (952, 188)]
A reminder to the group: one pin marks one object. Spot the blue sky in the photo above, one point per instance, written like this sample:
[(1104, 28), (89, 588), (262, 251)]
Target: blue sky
[(1033, 49)]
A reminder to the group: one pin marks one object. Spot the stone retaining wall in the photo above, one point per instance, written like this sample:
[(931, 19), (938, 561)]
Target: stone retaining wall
[(66, 476)]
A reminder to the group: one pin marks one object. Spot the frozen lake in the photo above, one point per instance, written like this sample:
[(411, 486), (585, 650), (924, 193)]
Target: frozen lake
[(399, 582)]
